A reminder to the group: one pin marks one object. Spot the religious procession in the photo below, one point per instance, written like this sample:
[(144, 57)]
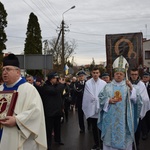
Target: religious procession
[(48, 102)]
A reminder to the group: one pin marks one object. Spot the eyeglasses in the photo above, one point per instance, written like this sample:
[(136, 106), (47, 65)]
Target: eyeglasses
[(29, 80), (134, 74), (8, 69)]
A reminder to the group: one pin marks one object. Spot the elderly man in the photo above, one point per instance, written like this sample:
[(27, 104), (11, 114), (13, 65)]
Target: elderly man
[(117, 102), (25, 129), (30, 79)]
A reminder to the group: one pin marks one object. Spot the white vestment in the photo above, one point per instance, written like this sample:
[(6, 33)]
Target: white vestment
[(90, 104), (141, 90), (29, 114)]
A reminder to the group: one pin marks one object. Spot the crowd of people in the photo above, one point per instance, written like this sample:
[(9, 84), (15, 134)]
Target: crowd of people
[(117, 110)]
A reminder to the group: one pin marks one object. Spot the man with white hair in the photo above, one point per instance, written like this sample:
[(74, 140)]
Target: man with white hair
[(30, 79)]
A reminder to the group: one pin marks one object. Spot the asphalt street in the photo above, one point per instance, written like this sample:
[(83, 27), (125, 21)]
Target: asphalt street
[(74, 140)]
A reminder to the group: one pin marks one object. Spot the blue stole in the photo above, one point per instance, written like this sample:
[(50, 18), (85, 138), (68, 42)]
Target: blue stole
[(15, 87)]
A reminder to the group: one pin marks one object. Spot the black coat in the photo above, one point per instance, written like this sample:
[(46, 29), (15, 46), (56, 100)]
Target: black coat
[(73, 92), (52, 99), (79, 89)]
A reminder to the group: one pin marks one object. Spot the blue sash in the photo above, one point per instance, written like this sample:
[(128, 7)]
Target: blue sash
[(15, 87)]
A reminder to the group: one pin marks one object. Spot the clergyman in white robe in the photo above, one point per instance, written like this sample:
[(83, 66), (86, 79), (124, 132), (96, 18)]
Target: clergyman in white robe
[(30, 133)]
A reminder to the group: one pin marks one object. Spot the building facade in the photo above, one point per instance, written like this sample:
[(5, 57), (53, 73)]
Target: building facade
[(146, 54)]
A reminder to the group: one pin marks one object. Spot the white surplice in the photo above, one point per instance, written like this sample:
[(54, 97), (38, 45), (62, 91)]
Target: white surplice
[(141, 90), (90, 104), (29, 114)]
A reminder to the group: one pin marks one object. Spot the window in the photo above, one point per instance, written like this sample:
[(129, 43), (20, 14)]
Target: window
[(147, 54)]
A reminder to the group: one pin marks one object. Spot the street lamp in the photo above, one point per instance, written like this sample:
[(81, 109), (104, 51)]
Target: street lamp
[(66, 11), (63, 61)]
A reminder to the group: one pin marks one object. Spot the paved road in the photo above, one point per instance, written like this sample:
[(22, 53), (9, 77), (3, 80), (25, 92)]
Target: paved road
[(73, 140)]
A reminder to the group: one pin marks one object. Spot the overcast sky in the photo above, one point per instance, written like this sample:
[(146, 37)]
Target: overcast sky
[(88, 22)]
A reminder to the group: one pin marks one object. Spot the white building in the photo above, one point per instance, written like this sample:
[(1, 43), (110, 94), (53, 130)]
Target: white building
[(146, 54)]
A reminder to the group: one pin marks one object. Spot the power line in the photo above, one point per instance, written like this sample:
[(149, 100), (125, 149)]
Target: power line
[(43, 12), (38, 14), (85, 41), (47, 3), (86, 33), (112, 20), (16, 37)]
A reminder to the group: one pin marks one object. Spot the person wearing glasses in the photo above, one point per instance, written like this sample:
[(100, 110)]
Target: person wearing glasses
[(25, 129), (116, 117), (90, 104), (146, 80), (141, 89), (146, 120)]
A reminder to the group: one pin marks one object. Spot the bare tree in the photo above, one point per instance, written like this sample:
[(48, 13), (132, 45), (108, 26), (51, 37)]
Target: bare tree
[(56, 50)]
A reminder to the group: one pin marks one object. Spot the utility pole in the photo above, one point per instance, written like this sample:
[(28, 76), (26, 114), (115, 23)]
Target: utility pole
[(57, 40), (46, 49), (146, 30), (63, 48), (63, 45)]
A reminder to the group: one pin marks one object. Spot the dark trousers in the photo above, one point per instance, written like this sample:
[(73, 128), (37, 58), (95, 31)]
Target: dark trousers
[(138, 133), (96, 132), (145, 124), (53, 124), (88, 123), (81, 118), (66, 110)]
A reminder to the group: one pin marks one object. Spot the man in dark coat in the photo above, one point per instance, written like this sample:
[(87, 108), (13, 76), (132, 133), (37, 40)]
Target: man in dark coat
[(79, 89), (73, 94), (51, 94)]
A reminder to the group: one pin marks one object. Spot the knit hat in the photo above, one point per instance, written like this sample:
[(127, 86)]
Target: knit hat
[(11, 60)]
